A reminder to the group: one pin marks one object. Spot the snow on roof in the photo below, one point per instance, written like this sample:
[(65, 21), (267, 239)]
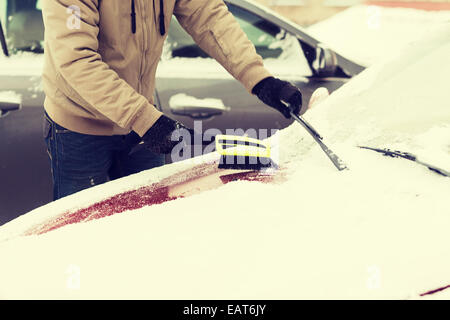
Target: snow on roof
[(367, 33)]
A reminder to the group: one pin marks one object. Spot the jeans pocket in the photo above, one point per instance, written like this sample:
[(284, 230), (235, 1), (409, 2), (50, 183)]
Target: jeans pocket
[(46, 128), (47, 134)]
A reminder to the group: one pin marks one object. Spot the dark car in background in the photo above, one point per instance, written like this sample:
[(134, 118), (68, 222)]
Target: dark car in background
[(190, 86)]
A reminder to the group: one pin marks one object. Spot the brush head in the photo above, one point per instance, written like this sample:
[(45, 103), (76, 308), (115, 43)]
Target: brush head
[(246, 163), (243, 153)]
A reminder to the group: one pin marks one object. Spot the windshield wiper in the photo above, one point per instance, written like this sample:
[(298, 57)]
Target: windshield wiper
[(408, 156), (3, 41)]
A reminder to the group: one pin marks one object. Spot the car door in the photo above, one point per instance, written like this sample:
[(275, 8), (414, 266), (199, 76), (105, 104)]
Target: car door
[(25, 178), (196, 90)]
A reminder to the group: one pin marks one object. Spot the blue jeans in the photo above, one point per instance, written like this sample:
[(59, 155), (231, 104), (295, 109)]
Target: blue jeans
[(80, 161)]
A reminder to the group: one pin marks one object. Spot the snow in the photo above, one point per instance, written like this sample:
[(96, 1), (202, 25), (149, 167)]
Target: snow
[(182, 99), (205, 68), (370, 33), (22, 64), (376, 231), (10, 96)]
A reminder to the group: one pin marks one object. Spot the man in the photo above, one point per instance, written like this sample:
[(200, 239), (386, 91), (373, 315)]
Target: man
[(99, 78)]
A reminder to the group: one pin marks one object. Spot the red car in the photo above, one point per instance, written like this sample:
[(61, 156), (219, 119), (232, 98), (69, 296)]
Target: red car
[(189, 230)]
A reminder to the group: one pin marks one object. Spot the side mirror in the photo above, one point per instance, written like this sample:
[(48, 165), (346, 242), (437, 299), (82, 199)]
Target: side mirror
[(325, 63), (8, 105)]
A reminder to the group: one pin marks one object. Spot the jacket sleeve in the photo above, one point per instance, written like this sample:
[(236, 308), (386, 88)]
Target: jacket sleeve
[(79, 65), (218, 33)]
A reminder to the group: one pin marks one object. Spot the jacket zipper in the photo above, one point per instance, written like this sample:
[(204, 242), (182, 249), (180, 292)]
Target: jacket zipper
[(133, 17), (162, 29), (162, 21), (144, 42)]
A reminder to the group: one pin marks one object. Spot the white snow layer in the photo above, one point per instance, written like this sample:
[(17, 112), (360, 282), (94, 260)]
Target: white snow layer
[(377, 230), (22, 64), (10, 96), (182, 100), (367, 33)]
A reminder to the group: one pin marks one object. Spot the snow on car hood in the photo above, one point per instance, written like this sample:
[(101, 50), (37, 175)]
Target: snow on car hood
[(377, 230)]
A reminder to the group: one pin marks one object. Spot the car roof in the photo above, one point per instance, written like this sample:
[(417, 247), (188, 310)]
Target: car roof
[(348, 65)]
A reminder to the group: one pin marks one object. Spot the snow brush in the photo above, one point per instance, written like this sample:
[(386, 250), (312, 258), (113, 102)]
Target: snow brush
[(243, 153), (338, 163)]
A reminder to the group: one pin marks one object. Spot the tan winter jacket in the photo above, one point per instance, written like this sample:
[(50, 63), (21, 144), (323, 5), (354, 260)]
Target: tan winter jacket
[(99, 76)]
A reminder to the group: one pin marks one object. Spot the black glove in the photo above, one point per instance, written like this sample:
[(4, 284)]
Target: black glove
[(273, 92), (159, 137)]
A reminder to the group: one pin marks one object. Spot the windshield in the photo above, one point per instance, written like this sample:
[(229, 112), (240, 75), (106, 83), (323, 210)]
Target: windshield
[(22, 21)]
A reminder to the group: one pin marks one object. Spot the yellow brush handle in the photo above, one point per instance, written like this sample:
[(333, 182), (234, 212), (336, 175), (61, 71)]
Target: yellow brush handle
[(231, 147)]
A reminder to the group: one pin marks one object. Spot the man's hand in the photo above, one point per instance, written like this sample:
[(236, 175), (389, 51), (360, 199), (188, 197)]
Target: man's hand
[(280, 95), (159, 137)]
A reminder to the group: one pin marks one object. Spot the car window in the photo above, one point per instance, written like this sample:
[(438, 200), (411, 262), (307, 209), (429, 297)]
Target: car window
[(3, 12), (263, 34), (24, 27)]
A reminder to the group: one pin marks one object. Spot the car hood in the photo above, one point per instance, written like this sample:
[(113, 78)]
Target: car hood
[(377, 230)]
